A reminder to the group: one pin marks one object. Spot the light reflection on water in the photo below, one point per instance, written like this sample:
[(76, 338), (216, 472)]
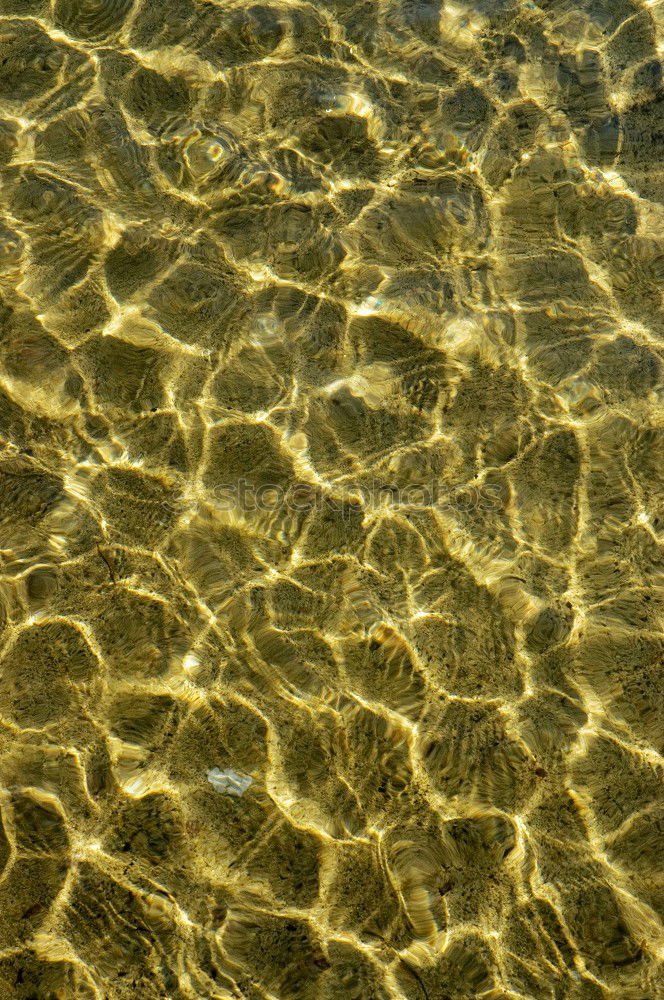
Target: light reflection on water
[(331, 523)]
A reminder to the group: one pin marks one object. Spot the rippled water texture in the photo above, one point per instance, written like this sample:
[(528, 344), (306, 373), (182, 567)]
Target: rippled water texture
[(331, 479)]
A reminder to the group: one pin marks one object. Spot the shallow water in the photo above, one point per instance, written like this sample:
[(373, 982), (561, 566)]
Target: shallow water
[(331, 477)]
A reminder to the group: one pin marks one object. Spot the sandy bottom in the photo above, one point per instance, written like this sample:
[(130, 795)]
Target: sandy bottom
[(331, 500)]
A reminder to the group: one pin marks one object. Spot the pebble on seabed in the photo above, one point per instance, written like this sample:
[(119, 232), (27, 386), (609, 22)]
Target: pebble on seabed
[(228, 781)]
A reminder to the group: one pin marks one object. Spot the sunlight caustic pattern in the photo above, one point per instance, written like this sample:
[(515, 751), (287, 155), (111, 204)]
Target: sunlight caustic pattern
[(388, 723)]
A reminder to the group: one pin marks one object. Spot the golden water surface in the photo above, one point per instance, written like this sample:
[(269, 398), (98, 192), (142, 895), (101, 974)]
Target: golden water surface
[(331, 500)]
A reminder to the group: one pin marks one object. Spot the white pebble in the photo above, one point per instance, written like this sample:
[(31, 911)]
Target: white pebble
[(229, 782)]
